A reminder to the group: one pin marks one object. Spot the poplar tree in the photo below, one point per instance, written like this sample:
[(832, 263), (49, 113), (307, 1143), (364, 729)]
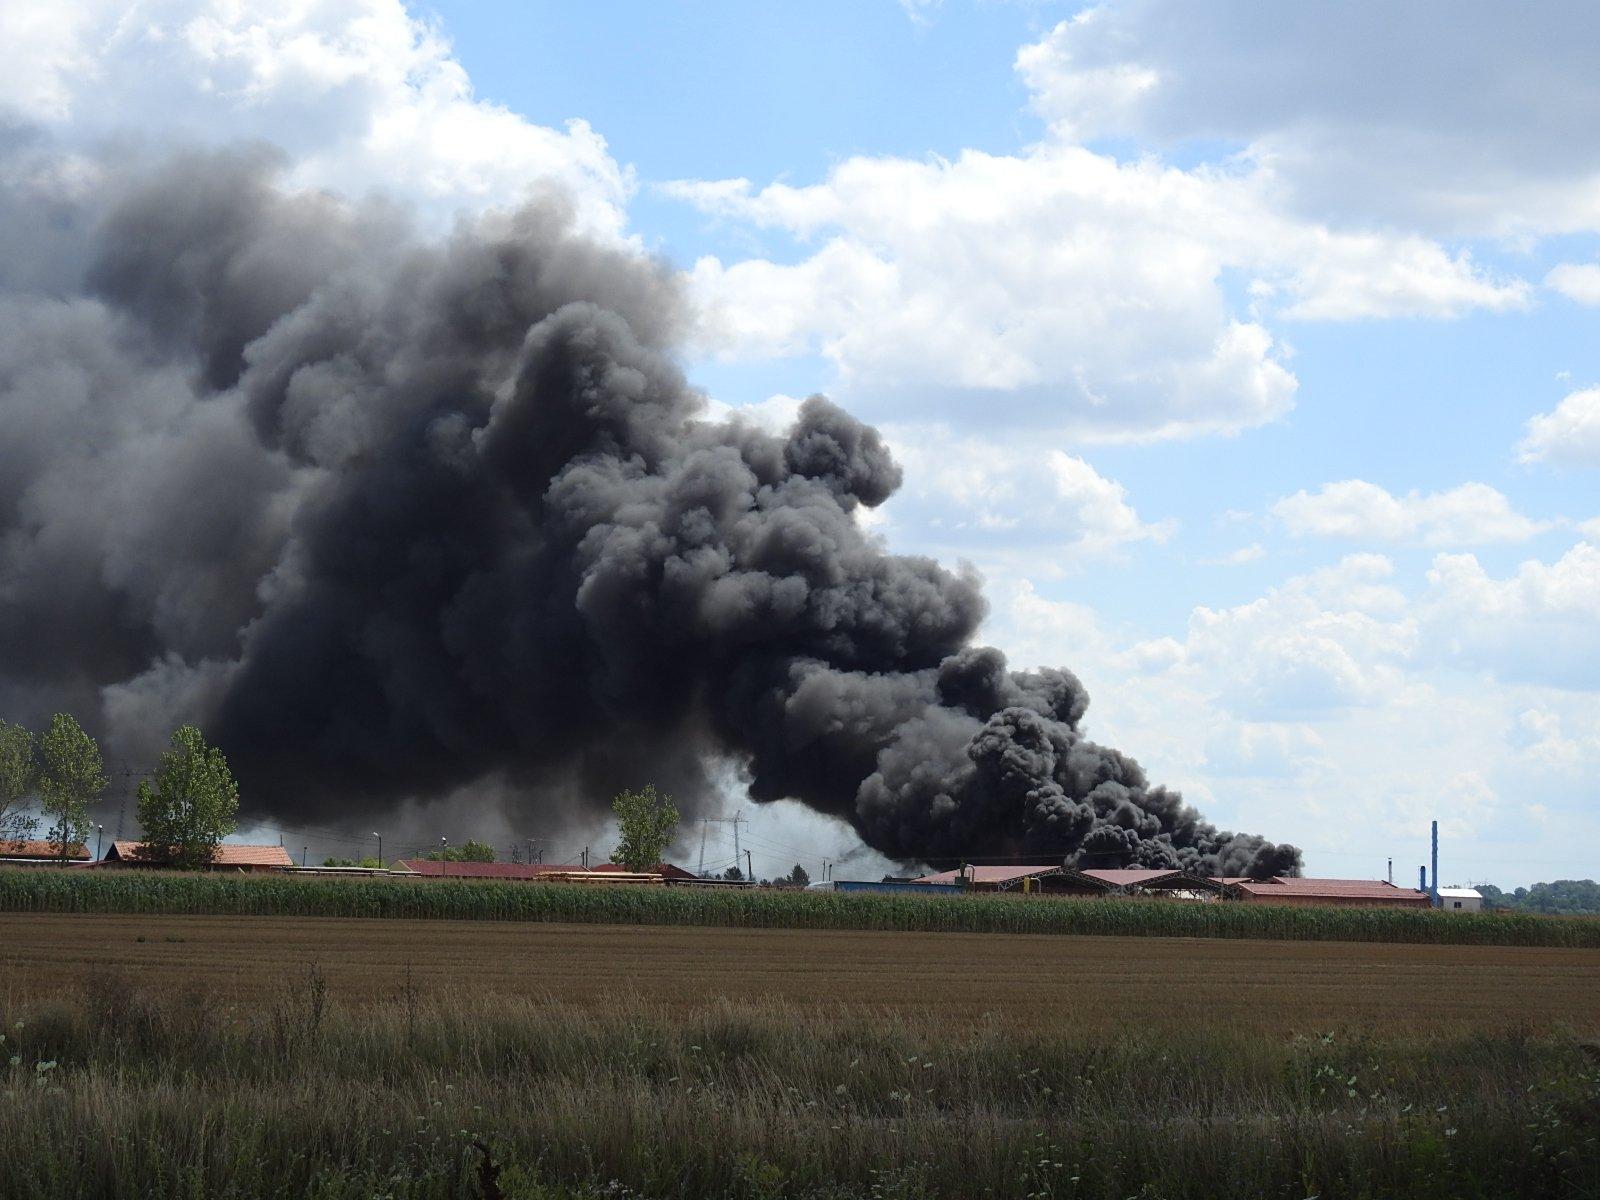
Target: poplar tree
[(646, 823), (193, 805), (71, 778), (17, 771)]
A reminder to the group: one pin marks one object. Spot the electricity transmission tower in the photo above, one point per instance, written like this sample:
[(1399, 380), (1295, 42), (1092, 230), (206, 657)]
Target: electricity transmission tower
[(705, 825)]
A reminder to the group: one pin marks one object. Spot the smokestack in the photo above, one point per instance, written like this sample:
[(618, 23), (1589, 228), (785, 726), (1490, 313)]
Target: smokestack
[(1422, 879), (397, 520), (1391, 870), (1434, 871)]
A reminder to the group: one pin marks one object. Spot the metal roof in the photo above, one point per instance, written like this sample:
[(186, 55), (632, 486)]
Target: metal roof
[(1461, 893), (1138, 876)]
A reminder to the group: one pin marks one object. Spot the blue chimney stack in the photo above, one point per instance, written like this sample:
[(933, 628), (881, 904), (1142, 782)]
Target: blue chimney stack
[(1434, 891)]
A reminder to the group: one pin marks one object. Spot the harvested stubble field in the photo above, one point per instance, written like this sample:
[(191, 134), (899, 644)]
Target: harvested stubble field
[(1032, 981), (333, 1059)]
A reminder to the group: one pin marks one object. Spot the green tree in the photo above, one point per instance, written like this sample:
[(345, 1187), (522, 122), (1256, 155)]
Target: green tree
[(468, 851), (646, 824), (193, 805), (17, 771), (799, 877), (71, 777)]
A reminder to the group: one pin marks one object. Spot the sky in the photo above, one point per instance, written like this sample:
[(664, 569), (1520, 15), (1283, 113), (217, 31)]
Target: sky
[(1246, 349)]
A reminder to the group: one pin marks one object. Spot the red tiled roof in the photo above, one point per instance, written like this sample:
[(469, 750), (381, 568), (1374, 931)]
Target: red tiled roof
[(995, 875), (1352, 889), (665, 870), (38, 849), (227, 855)]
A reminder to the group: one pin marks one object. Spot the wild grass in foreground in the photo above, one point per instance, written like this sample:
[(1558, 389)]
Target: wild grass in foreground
[(146, 891), (111, 1093)]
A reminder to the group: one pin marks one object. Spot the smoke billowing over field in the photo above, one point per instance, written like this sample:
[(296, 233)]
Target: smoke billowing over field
[(392, 517)]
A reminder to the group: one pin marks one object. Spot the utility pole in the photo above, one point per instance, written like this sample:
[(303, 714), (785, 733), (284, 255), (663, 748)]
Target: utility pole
[(303, 850), (704, 826), (99, 836), (749, 866)]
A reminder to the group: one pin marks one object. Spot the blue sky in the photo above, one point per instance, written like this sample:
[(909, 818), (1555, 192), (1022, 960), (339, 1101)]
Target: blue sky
[(1248, 351)]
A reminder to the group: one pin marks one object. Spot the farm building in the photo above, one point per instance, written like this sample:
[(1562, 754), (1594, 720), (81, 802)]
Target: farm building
[(1144, 881), (667, 871), (1460, 899), (1048, 879), (427, 868), (887, 887), (1359, 893), (39, 854), (227, 858)]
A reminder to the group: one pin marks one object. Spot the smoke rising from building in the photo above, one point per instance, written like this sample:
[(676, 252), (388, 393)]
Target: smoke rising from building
[(392, 516)]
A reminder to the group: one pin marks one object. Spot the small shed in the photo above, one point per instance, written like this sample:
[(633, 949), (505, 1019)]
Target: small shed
[(1460, 899)]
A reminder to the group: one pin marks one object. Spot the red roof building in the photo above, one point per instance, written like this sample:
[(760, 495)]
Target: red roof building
[(1368, 893), (228, 857), (28, 852), (428, 868)]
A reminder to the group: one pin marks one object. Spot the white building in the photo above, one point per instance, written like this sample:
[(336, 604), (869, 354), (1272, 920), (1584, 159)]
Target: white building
[(1460, 899)]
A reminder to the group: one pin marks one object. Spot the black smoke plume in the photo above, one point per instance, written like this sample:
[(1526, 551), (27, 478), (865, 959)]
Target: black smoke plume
[(393, 516)]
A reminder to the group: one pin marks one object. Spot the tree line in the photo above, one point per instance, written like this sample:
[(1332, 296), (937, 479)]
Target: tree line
[(53, 779), (1563, 897)]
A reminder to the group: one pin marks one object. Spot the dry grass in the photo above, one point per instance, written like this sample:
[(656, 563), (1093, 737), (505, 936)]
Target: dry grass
[(1030, 982)]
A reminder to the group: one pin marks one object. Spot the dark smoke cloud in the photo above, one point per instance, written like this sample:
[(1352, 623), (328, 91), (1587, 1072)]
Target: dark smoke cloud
[(392, 516)]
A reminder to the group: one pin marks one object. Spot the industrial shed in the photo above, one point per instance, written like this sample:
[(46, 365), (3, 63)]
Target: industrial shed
[(1048, 879), (1357, 893), (1144, 881), (227, 857)]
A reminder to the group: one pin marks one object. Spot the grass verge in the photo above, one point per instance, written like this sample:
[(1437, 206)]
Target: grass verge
[(112, 1092)]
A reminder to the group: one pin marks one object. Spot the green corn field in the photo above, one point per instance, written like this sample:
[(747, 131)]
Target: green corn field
[(55, 891)]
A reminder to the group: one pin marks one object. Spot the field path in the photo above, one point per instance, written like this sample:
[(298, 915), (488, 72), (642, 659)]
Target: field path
[(1026, 980)]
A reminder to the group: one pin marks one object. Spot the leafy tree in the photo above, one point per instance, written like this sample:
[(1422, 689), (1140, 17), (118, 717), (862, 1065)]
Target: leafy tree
[(372, 863), (646, 824), (799, 877), (468, 851), (17, 771), (71, 776), (734, 874), (1563, 897), (194, 803)]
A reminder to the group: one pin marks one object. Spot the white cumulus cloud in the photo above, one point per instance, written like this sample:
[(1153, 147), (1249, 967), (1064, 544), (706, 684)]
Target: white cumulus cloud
[(361, 94), (1569, 436), (1472, 514)]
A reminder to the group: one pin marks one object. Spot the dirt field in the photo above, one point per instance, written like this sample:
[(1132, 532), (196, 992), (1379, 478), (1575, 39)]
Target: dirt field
[(1030, 981)]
